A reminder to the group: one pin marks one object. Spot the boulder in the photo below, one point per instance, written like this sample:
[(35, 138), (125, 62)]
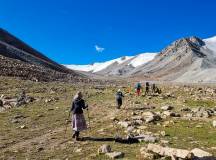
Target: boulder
[(214, 123), (150, 117), (200, 153), (166, 151), (115, 155), (166, 108)]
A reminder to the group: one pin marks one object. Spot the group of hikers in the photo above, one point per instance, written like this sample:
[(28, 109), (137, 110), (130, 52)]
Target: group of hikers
[(78, 104)]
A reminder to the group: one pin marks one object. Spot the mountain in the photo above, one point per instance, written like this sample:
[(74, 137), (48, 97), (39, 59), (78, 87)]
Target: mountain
[(119, 66), (190, 59), (185, 60), (20, 60)]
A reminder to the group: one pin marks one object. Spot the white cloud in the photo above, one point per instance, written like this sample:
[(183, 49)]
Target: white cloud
[(99, 49)]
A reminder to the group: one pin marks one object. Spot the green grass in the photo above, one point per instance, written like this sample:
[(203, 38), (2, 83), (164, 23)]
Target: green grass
[(200, 103), (49, 129)]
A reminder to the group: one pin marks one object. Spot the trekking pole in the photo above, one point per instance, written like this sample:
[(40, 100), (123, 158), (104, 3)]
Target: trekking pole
[(87, 96), (66, 124), (88, 118)]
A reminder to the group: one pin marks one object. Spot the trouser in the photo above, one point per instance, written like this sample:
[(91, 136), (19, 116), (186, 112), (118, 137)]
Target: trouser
[(147, 90), (138, 92), (119, 103)]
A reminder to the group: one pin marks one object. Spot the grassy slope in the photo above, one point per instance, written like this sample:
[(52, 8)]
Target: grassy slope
[(46, 123)]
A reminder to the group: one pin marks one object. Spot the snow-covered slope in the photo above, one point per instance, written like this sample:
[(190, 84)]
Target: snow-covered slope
[(211, 43), (133, 61), (142, 59)]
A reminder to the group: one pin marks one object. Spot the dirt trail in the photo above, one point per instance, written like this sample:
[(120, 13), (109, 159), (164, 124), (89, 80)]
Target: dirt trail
[(44, 140), (51, 139)]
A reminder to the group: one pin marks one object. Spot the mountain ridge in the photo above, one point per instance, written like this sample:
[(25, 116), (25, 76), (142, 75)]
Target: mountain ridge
[(180, 61), (20, 60)]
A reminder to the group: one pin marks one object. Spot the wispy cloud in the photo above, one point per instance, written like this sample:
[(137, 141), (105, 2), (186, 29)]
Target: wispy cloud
[(99, 49)]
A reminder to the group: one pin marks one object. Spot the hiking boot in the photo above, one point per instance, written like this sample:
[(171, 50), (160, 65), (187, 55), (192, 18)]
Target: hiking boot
[(77, 139), (74, 135)]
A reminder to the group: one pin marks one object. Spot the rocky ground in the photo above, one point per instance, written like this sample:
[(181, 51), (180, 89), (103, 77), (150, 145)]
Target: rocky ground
[(180, 123)]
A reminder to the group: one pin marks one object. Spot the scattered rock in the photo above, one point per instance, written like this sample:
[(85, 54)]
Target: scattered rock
[(104, 149), (166, 108), (23, 127), (15, 121), (78, 150), (18, 116), (115, 155), (178, 153), (171, 114), (48, 100), (146, 138), (166, 151), (39, 149), (145, 155), (40, 115), (186, 110), (163, 133), (137, 118), (214, 123), (151, 117), (200, 153), (130, 129), (124, 124)]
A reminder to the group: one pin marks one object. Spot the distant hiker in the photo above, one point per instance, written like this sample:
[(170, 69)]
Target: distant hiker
[(129, 89), (1, 103), (78, 119), (147, 88), (155, 89), (138, 88), (119, 96)]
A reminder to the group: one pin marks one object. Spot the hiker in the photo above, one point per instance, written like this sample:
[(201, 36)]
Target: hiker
[(119, 96), (1, 103), (147, 88), (78, 119), (155, 89), (138, 88)]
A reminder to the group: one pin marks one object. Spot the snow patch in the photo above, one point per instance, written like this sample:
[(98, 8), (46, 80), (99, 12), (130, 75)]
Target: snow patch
[(96, 67), (211, 43), (135, 61), (142, 59)]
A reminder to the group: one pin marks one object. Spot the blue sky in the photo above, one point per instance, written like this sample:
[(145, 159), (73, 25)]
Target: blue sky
[(86, 31)]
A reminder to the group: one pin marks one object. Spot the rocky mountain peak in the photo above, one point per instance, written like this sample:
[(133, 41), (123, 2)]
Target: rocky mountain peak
[(184, 46)]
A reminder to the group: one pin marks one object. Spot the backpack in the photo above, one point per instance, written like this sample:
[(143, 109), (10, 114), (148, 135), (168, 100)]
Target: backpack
[(138, 86), (118, 95)]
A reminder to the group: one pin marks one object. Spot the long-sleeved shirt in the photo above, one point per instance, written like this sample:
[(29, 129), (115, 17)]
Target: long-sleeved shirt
[(119, 95), (77, 106)]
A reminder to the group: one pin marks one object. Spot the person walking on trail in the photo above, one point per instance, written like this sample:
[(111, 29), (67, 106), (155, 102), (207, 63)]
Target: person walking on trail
[(138, 88), (147, 86), (78, 119), (119, 96), (154, 88)]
